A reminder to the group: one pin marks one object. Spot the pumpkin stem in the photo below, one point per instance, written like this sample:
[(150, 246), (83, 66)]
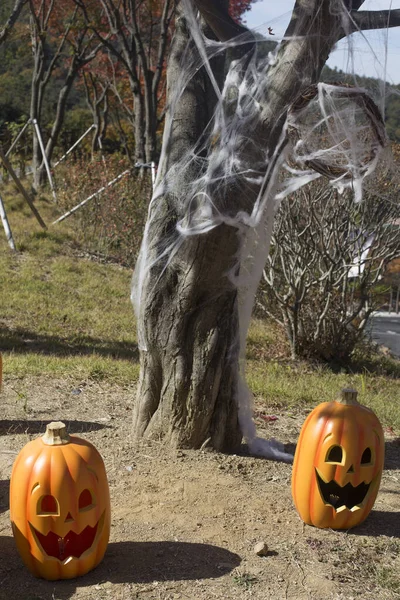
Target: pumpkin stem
[(348, 396), (56, 434)]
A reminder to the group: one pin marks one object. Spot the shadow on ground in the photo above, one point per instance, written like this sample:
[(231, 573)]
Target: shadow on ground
[(4, 495), (23, 341), (12, 426), (379, 522), (392, 454), (124, 562)]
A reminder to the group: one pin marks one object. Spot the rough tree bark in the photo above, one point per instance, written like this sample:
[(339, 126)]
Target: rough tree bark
[(189, 308), (188, 352)]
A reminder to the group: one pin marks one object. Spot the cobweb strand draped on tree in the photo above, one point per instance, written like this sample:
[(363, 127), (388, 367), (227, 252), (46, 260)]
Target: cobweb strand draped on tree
[(269, 116)]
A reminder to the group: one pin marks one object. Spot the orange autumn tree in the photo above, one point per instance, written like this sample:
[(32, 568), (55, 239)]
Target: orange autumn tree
[(136, 36), (237, 8)]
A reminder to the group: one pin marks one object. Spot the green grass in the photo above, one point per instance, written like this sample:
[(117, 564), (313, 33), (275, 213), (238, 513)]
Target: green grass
[(65, 297), (286, 386), (64, 314), (244, 580), (289, 384), (94, 367)]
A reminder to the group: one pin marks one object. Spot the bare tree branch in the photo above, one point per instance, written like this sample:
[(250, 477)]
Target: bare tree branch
[(377, 19), (166, 18), (4, 33), (318, 240), (216, 15)]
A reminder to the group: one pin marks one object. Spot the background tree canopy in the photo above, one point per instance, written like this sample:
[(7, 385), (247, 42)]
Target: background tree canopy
[(16, 67)]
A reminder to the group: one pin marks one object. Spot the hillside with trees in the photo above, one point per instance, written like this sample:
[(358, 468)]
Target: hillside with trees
[(88, 71), (88, 62), (390, 93)]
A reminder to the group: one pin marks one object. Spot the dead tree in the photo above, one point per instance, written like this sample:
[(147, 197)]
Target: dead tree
[(187, 301)]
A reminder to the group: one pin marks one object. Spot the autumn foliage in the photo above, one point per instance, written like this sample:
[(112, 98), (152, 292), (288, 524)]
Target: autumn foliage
[(237, 8)]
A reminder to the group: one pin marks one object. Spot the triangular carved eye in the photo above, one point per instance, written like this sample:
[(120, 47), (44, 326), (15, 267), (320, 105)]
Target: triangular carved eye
[(366, 458), (335, 455)]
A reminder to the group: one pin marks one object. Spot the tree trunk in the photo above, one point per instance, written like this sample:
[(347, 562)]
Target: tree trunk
[(189, 366), (15, 12), (150, 119), (189, 357), (60, 111), (36, 102), (140, 152), (187, 305)]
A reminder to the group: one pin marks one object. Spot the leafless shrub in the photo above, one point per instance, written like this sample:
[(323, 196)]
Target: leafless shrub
[(327, 255)]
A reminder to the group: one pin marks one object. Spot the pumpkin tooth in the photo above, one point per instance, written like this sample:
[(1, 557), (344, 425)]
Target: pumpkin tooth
[(337, 496), (73, 544)]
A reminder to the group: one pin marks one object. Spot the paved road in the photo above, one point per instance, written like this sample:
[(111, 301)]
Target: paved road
[(386, 331)]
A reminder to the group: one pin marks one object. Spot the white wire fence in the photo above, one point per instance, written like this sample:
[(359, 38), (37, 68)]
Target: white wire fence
[(16, 175)]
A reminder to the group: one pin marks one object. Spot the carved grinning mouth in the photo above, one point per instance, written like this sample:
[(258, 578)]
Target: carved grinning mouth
[(72, 545), (340, 497)]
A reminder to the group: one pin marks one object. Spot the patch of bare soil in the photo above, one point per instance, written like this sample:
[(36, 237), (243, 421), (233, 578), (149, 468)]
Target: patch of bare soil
[(185, 524)]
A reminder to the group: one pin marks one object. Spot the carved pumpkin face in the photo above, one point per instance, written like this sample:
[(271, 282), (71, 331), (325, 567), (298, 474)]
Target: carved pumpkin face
[(60, 507), (338, 464)]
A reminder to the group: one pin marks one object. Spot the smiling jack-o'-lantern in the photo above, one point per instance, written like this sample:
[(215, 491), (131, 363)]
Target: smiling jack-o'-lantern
[(338, 463), (60, 505)]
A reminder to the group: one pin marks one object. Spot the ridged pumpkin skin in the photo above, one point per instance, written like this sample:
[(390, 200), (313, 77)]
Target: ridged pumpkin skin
[(339, 444), (61, 489)]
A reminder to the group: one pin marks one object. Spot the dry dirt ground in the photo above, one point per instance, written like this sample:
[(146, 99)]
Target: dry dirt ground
[(184, 524)]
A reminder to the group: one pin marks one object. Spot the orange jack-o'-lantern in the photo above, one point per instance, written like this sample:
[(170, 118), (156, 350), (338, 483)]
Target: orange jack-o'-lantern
[(338, 463), (60, 505)]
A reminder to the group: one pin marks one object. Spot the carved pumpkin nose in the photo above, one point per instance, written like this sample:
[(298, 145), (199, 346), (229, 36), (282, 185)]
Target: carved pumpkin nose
[(351, 470), (68, 518)]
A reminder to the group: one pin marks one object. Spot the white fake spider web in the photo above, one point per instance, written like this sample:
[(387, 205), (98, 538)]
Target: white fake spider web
[(333, 131)]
